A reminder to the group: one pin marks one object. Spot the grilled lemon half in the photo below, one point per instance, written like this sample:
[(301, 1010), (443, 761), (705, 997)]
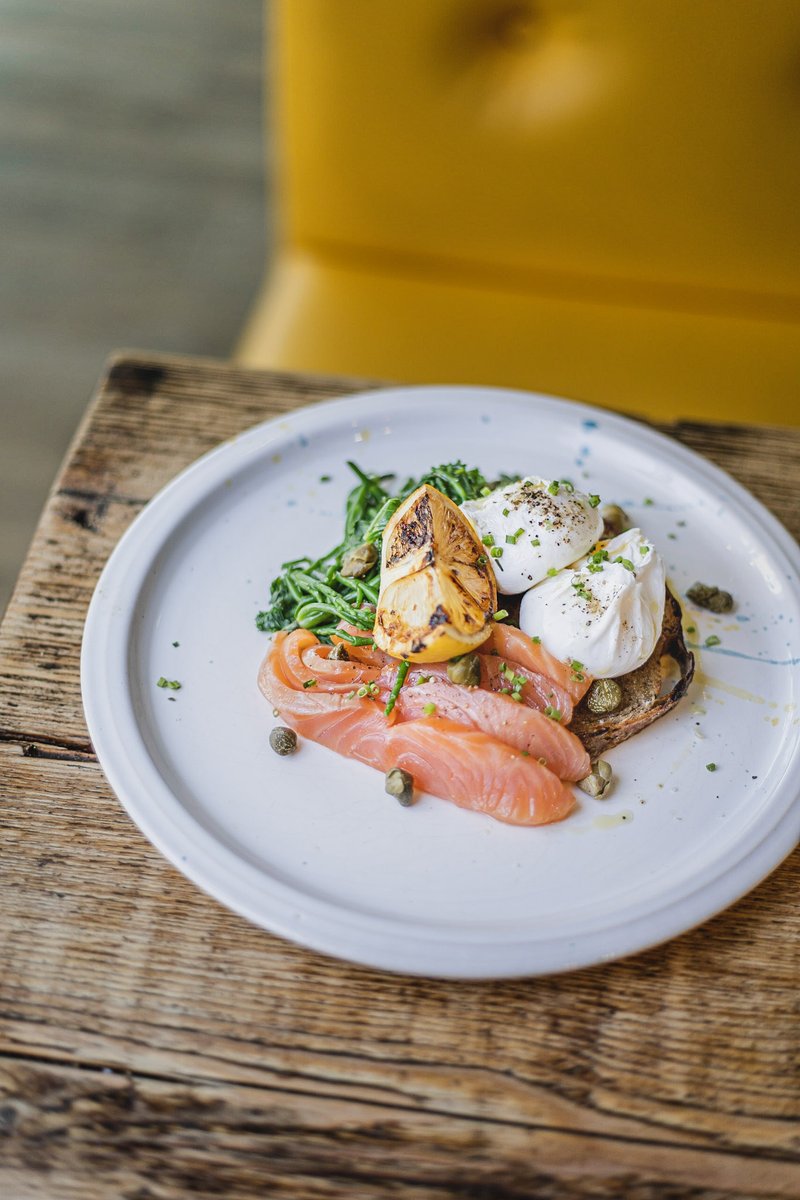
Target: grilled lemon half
[(438, 592)]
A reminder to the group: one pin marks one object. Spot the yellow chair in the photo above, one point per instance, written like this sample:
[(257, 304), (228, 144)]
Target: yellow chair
[(596, 198)]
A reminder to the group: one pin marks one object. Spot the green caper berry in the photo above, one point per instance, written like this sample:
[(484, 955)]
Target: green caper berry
[(359, 561), (598, 781), (705, 595), (615, 520), (605, 696), (339, 653), (465, 670), (400, 785), (283, 740)]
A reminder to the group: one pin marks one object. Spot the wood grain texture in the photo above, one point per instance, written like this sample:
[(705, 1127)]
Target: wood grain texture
[(154, 1045)]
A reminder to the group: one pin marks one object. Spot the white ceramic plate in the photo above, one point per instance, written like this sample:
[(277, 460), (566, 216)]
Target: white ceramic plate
[(309, 846)]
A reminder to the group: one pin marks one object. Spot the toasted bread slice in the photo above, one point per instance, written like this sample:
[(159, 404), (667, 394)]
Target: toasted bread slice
[(643, 701)]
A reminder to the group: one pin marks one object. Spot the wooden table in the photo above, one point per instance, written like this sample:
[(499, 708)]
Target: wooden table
[(155, 1046)]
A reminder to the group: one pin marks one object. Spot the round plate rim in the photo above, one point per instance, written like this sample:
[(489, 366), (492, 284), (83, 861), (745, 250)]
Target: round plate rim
[(293, 917)]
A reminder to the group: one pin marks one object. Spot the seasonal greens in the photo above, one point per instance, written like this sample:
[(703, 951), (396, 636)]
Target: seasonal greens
[(316, 594)]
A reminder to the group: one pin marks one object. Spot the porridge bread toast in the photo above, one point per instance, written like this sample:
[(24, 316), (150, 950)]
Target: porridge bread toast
[(644, 695)]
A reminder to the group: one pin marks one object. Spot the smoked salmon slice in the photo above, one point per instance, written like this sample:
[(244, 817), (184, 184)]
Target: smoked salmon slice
[(468, 760), (517, 725)]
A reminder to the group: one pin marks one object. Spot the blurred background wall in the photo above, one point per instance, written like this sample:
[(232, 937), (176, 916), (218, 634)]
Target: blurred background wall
[(131, 208)]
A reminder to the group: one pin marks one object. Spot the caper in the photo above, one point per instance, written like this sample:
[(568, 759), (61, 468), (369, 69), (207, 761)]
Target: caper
[(283, 740), (605, 696), (466, 670), (400, 785), (598, 781), (359, 560), (705, 595), (339, 653), (615, 520)]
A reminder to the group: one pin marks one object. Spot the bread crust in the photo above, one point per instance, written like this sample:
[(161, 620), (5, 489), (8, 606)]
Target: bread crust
[(642, 703)]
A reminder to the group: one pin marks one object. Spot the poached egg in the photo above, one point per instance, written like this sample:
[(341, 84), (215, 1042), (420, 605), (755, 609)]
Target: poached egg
[(606, 610), (533, 527)]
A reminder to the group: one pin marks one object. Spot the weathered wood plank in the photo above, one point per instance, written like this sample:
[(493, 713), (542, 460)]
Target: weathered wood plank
[(665, 1076), (93, 1135), (114, 959)]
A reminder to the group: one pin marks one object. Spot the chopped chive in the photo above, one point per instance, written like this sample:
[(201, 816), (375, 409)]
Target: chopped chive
[(501, 614), (552, 571), (711, 766), (553, 488), (511, 539), (691, 629), (496, 552), (648, 502), (429, 709), (486, 491), (626, 562), (713, 640), (506, 511), (581, 588), (535, 542), (594, 501), (310, 683), (644, 549), (174, 684), (517, 696), (487, 539), (176, 643), (325, 478), (525, 753), (536, 641), (481, 560), (568, 485), (553, 713)]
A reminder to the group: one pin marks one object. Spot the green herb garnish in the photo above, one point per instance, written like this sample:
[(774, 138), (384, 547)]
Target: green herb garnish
[(174, 684), (712, 640), (312, 593), (400, 679), (429, 709)]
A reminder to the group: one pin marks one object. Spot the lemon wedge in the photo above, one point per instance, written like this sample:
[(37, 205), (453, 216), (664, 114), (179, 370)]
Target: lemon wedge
[(438, 591)]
